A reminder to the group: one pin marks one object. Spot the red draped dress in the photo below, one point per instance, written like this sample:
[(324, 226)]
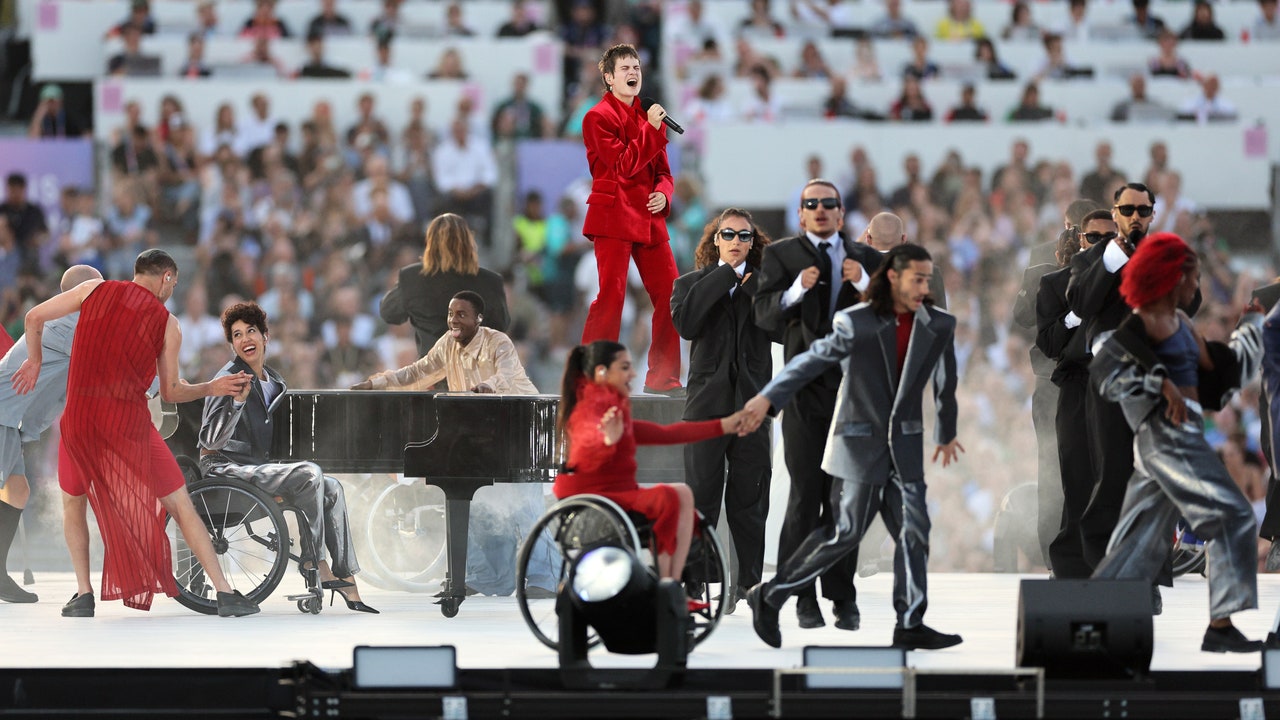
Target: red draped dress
[(610, 470), (6, 342), (109, 446)]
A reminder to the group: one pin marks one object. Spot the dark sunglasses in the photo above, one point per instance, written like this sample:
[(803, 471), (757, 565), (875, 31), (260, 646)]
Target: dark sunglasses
[(1143, 210), (742, 236), (812, 203), (1095, 238)]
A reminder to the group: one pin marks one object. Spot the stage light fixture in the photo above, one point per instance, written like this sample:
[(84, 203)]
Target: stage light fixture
[(615, 594), (405, 667), (859, 659)]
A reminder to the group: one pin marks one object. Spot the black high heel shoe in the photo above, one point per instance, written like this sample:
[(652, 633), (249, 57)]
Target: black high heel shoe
[(336, 584), (357, 605)]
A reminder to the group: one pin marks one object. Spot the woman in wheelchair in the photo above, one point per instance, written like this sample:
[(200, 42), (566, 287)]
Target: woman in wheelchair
[(235, 437), (598, 441)]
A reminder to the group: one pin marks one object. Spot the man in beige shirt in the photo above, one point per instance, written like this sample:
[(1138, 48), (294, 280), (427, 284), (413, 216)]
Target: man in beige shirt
[(481, 360), (469, 357)]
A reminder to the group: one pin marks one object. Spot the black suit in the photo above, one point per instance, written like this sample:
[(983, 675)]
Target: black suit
[(1065, 347), (1094, 296), (807, 418), (1044, 406), (730, 359), (424, 301)]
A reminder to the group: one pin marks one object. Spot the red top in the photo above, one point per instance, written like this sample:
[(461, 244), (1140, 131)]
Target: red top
[(628, 161), (597, 468), (905, 322)]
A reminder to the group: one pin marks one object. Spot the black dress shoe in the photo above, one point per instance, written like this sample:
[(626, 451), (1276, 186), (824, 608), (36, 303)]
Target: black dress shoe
[(808, 612), (764, 617), (1228, 639), (233, 604), (12, 592), (79, 606), (847, 615), (923, 637)]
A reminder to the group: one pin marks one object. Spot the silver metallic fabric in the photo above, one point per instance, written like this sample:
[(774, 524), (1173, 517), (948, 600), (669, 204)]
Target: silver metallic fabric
[(320, 499), (906, 516)]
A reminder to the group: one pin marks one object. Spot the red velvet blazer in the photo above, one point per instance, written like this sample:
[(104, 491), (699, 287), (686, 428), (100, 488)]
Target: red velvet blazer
[(628, 160)]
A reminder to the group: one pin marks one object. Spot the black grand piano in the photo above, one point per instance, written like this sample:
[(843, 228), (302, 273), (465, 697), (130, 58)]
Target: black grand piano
[(459, 442)]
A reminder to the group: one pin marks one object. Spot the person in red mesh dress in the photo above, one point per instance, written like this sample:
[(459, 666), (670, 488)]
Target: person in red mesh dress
[(110, 450), (600, 438)]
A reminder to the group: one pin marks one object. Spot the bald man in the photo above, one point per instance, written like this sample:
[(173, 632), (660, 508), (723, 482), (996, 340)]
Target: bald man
[(885, 232), (24, 417)]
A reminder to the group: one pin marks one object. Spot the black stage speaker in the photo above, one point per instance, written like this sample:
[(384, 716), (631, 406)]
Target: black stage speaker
[(1085, 628)]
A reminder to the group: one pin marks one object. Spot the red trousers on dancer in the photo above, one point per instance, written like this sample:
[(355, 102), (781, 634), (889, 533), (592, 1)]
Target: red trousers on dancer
[(658, 272)]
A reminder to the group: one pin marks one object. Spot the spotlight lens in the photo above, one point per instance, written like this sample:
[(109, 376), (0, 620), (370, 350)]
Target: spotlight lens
[(602, 573)]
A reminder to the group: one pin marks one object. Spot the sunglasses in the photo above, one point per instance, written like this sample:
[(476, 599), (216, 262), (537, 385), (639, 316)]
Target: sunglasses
[(1143, 210), (742, 236), (1095, 238), (812, 203)]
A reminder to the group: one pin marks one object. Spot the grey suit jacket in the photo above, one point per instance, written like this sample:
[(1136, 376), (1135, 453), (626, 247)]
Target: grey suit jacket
[(34, 412), (879, 419)]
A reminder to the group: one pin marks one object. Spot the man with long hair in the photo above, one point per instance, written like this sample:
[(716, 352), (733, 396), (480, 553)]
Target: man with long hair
[(730, 359), (626, 212), (1163, 375), (888, 348)]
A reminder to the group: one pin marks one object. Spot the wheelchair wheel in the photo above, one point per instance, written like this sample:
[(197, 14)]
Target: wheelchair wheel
[(571, 525), (1188, 551), (707, 578), (404, 533), (249, 535)]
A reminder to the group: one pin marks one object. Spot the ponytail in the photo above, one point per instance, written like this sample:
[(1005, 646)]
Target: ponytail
[(582, 360)]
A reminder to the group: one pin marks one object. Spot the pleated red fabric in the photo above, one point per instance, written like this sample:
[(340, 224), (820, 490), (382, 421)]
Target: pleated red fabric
[(109, 440), (6, 342)]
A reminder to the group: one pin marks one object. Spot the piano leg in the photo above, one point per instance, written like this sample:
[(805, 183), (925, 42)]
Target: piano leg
[(457, 520)]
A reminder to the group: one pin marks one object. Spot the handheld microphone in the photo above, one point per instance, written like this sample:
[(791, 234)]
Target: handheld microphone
[(646, 103)]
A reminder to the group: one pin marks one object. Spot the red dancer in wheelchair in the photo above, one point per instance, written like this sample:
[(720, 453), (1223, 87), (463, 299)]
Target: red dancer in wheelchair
[(599, 438)]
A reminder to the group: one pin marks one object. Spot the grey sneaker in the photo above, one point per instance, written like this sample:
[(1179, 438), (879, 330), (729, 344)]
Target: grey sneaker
[(80, 605), (233, 604)]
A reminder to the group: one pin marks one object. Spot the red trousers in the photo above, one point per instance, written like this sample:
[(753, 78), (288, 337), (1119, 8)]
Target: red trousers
[(658, 272)]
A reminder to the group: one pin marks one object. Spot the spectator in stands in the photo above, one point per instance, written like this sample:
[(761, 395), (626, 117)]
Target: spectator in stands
[(466, 171), (206, 18), (1138, 107), (1097, 183), (839, 105), (521, 22), (388, 22), (1029, 107), (384, 70), (1171, 204), (959, 22), (812, 64), (1168, 62), (1056, 66), (1075, 28), (50, 120), (81, 234), (329, 22), (1208, 105), (264, 22), (920, 67), (414, 151), (822, 16), (177, 175), (1021, 26), (967, 110), (223, 132), (1202, 25), (129, 229), (902, 194), (1267, 26), (760, 23), (764, 105), (377, 176), (526, 115), (134, 155), (710, 104), (865, 66), (259, 127), (893, 25), (984, 53), (911, 104), (370, 125), (449, 264), (130, 60), (260, 56), (583, 35), (449, 67), (316, 67), (194, 66), (454, 25), (1148, 25), (139, 17), (200, 330)]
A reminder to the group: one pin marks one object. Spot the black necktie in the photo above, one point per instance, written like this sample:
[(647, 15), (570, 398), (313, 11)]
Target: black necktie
[(824, 278)]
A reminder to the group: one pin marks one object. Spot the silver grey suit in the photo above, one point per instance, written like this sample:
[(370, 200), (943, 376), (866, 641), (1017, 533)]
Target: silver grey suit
[(875, 445), (1175, 469), (24, 417)]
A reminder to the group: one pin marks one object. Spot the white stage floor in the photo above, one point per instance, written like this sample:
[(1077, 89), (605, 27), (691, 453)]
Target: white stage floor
[(489, 633)]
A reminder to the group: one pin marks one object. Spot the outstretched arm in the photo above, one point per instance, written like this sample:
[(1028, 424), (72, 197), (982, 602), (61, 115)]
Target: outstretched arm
[(61, 305), (176, 390)]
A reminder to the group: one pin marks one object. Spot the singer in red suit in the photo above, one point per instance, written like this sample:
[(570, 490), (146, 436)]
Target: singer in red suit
[(626, 212)]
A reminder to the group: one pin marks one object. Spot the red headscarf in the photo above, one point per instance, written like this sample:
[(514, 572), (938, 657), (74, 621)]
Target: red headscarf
[(1155, 269)]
